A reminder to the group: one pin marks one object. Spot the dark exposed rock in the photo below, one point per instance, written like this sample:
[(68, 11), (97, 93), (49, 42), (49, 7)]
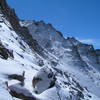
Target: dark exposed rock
[(20, 78), (21, 96), (23, 32), (20, 55), (52, 84), (9, 14), (40, 63), (58, 70), (20, 92), (60, 33), (80, 94), (35, 81), (89, 51), (67, 83), (5, 53), (54, 63), (15, 76), (73, 41)]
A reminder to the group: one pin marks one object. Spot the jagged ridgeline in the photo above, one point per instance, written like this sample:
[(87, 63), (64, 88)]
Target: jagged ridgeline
[(23, 32), (38, 63)]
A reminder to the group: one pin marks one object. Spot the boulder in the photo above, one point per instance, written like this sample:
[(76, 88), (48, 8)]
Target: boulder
[(43, 80)]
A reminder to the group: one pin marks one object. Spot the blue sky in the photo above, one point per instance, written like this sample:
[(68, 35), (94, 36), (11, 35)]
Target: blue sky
[(77, 18)]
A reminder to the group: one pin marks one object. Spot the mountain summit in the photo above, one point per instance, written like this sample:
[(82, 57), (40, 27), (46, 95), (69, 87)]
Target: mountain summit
[(38, 63)]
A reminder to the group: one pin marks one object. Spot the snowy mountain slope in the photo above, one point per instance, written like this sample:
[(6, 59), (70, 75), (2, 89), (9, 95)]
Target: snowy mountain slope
[(22, 61), (79, 59), (22, 58)]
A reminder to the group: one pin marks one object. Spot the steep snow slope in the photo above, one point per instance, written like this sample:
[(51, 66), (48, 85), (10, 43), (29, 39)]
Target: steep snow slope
[(79, 59), (22, 58), (26, 60)]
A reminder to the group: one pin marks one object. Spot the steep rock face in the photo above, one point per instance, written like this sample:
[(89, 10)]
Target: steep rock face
[(89, 55), (44, 31), (23, 32)]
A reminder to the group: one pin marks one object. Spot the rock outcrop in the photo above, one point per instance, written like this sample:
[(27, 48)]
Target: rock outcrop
[(23, 32), (5, 53)]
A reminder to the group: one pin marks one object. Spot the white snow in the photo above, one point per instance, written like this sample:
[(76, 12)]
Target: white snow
[(78, 65)]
